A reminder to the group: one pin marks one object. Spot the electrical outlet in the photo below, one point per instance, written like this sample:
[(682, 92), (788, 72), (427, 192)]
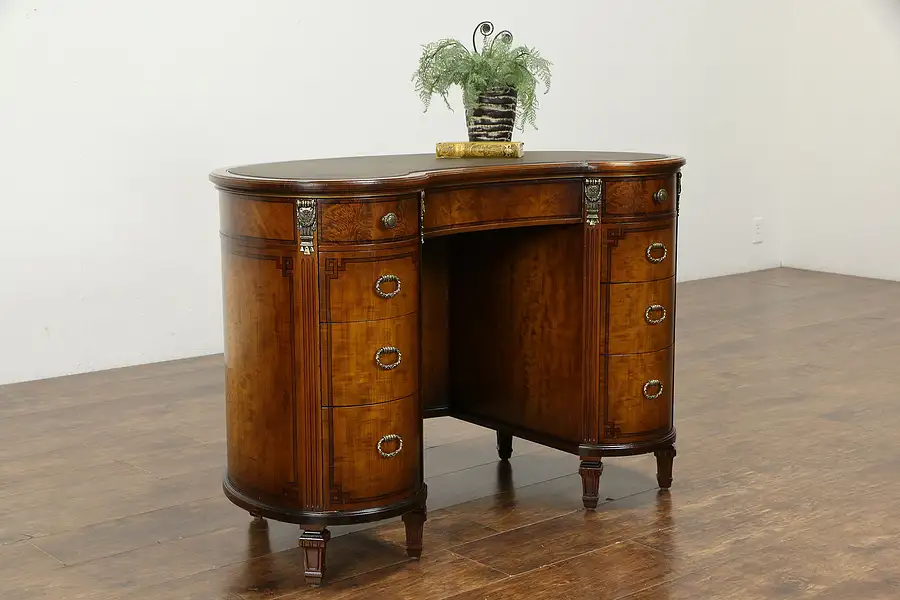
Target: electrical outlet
[(757, 230)]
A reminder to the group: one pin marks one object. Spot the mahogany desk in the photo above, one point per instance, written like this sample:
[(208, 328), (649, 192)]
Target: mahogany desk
[(533, 296)]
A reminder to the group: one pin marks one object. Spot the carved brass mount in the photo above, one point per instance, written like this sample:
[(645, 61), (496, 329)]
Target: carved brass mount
[(593, 196), (306, 223)]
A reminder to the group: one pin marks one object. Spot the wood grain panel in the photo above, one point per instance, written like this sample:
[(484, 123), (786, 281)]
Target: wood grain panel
[(516, 327), (259, 375), (359, 220), (501, 205), (360, 477), (308, 443), (352, 375), (243, 216), (349, 278), (628, 328), (592, 337), (635, 196), (629, 415), (436, 323), (630, 248)]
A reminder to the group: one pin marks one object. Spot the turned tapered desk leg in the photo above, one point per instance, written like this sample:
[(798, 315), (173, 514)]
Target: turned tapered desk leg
[(590, 482), (664, 459), (415, 526), (313, 541), (504, 445)]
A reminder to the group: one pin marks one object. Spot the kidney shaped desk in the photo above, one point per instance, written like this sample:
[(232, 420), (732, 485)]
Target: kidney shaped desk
[(533, 296)]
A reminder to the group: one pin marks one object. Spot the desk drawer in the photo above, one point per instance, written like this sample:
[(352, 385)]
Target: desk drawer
[(371, 285), (368, 362), (374, 452), (641, 316), (624, 197), (639, 395), (502, 205), (365, 220), (252, 218), (639, 251)]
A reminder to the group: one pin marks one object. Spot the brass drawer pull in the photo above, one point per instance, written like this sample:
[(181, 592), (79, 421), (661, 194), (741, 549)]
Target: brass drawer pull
[(653, 248), (383, 279), (389, 220), (388, 350), (655, 308), (653, 383), (661, 196), (391, 437)]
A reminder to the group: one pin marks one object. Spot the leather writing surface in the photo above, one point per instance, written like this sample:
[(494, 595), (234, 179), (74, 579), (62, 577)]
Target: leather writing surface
[(369, 167)]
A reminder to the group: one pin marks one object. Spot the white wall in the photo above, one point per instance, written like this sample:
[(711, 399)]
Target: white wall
[(842, 162), (112, 114)]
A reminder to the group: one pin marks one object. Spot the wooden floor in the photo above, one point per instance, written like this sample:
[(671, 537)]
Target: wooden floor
[(787, 480)]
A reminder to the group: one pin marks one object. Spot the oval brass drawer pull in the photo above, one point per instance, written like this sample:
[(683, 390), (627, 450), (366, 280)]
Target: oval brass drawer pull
[(652, 248), (655, 308), (391, 437), (388, 350), (653, 383), (389, 220), (661, 196), (383, 279)]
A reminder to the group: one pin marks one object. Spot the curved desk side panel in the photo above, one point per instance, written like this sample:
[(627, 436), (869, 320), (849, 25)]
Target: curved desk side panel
[(260, 394), (273, 419)]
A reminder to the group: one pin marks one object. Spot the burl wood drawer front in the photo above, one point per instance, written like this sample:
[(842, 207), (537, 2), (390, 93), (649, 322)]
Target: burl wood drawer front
[(373, 452), (640, 316), (365, 286), (247, 217), (639, 196), (639, 394), (366, 220), (639, 251), (507, 204), (370, 361)]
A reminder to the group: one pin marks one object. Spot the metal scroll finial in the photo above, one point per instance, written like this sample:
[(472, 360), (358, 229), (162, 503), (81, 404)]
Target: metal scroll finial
[(486, 28)]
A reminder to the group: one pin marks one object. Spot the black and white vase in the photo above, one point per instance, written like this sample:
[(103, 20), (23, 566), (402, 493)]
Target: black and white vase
[(493, 116)]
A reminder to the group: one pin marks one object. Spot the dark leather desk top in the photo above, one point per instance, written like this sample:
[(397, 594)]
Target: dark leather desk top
[(402, 170)]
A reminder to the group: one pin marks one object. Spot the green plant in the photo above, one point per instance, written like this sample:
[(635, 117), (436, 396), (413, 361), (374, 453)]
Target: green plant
[(448, 62)]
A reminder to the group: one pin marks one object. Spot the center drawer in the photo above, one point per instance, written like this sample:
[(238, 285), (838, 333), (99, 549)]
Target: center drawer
[(509, 204), (369, 362)]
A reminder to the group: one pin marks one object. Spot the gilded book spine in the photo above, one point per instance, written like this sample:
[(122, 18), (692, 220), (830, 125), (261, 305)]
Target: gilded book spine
[(479, 150)]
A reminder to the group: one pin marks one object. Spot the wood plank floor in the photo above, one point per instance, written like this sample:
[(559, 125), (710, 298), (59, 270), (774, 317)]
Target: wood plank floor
[(787, 480)]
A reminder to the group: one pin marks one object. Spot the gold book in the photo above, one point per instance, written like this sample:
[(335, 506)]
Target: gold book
[(479, 149)]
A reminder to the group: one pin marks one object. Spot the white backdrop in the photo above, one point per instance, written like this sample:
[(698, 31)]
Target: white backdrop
[(112, 113), (842, 168)]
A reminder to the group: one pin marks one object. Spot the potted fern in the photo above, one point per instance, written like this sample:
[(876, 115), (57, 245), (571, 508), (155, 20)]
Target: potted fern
[(498, 83)]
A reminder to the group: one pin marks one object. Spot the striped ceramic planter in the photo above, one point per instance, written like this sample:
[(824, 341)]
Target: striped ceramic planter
[(493, 116)]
